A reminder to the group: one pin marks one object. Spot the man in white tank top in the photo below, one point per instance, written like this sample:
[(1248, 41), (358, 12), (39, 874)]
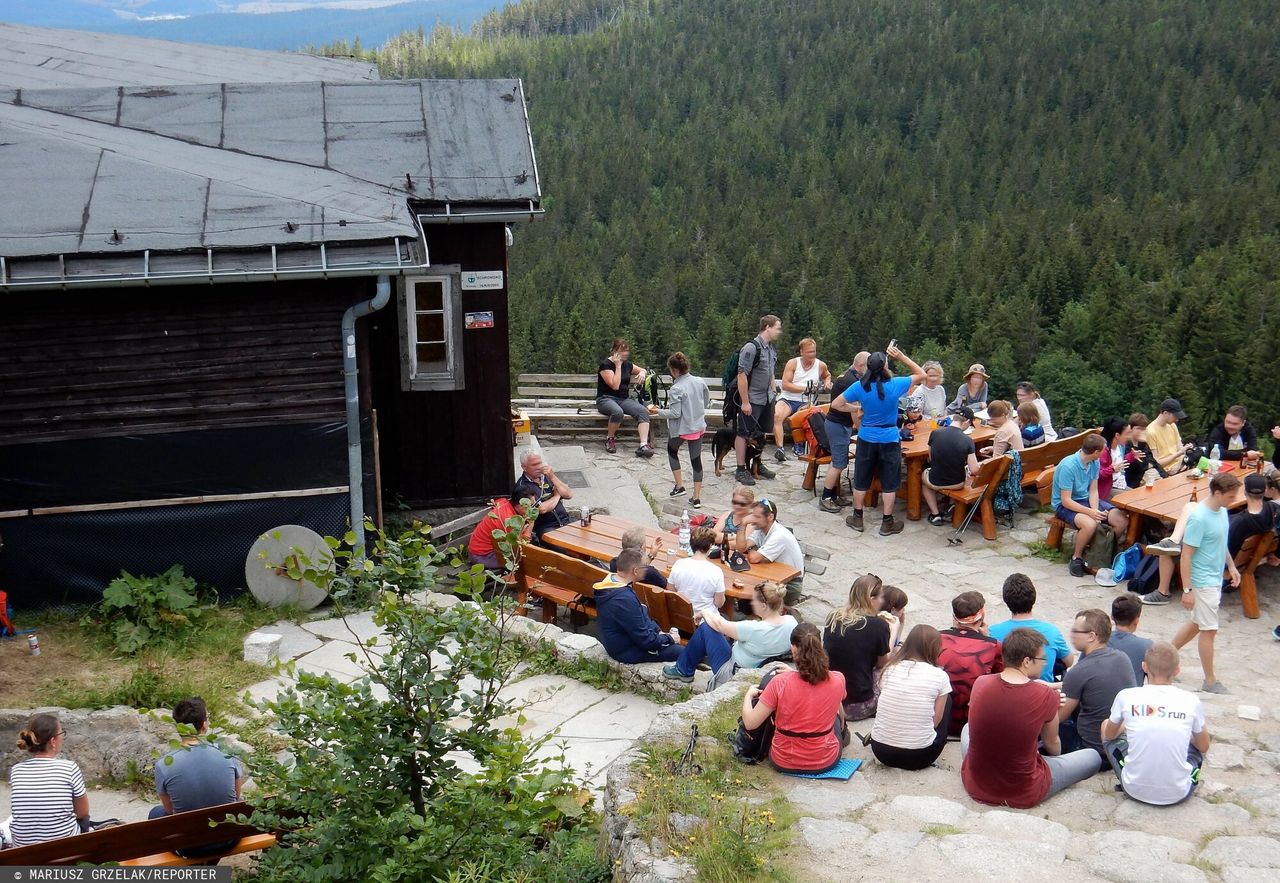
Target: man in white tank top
[(802, 379)]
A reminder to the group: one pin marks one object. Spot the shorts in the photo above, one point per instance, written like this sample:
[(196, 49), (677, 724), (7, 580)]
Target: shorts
[(940, 487), (882, 457), (614, 409), (760, 420), (1205, 612), (1065, 515), (794, 404), (839, 435)]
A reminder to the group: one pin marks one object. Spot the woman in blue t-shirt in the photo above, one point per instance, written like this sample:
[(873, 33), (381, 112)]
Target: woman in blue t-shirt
[(878, 451)]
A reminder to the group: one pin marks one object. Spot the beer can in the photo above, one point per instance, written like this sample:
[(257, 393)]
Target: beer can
[(33, 643), (586, 515)]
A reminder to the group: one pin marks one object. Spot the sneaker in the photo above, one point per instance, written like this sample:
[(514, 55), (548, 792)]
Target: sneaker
[(676, 674), (828, 504), (780, 455), (1076, 567), (765, 472), (1165, 547), (695, 502), (677, 492), (645, 451), (611, 445), (1215, 687), (890, 526), (854, 521), (1155, 598), (1275, 633), (743, 476), (937, 520), (798, 450)]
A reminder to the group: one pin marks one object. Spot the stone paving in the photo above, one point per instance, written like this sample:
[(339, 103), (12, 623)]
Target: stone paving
[(890, 824)]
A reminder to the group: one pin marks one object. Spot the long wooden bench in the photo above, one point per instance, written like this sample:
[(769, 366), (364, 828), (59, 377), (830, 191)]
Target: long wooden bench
[(565, 404), (557, 581), (980, 494), (150, 843), (1038, 463)]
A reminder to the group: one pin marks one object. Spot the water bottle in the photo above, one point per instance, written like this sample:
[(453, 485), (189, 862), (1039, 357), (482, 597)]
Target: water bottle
[(685, 548), (1215, 460)]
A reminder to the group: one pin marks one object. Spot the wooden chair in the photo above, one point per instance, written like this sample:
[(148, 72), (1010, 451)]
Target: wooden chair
[(655, 599), (557, 580), (980, 494), (679, 613), (1251, 554), (150, 843)]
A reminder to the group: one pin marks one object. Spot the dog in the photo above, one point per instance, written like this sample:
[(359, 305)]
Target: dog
[(722, 444)]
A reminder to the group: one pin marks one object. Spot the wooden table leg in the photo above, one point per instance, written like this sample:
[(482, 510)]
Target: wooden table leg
[(915, 481), (1135, 529)]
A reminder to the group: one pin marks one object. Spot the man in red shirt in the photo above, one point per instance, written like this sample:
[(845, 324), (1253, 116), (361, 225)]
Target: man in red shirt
[(480, 548), (1008, 712), (968, 653)]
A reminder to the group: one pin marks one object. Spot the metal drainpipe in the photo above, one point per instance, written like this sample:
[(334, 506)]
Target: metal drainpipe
[(355, 471)]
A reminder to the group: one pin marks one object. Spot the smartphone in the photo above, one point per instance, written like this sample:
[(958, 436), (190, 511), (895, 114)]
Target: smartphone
[(893, 343)]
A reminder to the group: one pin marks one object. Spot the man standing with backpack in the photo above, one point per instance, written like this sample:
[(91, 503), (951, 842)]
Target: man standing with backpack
[(757, 390)]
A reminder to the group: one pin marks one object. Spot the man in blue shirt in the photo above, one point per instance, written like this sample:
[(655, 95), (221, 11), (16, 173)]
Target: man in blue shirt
[(1019, 595), (197, 774), (1075, 499), (879, 450)]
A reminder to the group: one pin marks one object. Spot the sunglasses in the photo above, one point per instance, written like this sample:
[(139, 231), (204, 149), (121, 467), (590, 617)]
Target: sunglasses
[(767, 505), (741, 503)]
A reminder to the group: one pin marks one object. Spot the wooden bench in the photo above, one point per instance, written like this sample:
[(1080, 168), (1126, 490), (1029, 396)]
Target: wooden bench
[(1038, 463), (557, 581), (553, 402), (980, 494), (150, 843), (812, 460), (1254, 551), (669, 609)]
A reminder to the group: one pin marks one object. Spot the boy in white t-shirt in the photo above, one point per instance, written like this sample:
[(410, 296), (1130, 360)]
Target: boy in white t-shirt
[(1156, 738), (699, 579)]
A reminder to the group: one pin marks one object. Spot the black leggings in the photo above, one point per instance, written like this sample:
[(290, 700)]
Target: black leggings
[(915, 758), (695, 455)]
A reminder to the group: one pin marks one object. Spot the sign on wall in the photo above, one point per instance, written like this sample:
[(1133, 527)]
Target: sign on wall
[(481, 280), (479, 320)]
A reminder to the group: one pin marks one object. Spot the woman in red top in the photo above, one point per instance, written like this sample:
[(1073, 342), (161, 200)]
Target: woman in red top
[(1008, 712), (481, 548), (807, 705)]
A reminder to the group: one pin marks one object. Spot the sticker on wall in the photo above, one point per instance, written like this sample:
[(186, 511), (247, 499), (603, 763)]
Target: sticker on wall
[(481, 280), (479, 320)]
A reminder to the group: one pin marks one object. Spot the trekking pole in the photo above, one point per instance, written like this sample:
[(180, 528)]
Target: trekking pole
[(955, 540)]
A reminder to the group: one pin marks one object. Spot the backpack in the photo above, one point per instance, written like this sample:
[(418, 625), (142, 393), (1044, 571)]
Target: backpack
[(729, 379), (1126, 563), (652, 391), (1146, 576), (815, 433), (752, 746), (6, 624), (1101, 550)]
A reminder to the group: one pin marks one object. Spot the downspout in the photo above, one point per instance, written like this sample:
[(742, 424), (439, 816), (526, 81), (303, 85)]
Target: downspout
[(355, 468)]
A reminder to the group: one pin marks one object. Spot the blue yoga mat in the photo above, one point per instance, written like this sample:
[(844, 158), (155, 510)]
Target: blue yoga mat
[(843, 770)]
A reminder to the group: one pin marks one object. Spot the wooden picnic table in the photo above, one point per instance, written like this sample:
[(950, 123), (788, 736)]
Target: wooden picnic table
[(916, 455), (602, 540), (1165, 499)]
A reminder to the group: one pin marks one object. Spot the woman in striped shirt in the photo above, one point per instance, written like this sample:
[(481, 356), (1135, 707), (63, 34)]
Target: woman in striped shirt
[(46, 793)]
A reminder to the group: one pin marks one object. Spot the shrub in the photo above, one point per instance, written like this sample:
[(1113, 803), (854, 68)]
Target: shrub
[(150, 608)]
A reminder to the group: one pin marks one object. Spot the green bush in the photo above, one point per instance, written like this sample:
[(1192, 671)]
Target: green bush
[(146, 609)]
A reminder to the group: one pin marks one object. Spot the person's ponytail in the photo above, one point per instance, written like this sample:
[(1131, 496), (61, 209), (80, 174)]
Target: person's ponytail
[(809, 655)]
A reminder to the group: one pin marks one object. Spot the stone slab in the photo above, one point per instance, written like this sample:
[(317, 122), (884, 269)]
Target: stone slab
[(1019, 826), (823, 835), (830, 798), (979, 854), (262, 647), (1243, 852), (928, 810), (295, 640), (356, 627), (331, 659)]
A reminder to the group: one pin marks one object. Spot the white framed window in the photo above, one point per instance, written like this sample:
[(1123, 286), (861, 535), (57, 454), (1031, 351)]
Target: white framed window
[(431, 332)]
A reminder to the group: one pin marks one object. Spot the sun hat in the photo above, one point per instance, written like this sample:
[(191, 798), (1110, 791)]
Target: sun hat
[(976, 368), (1105, 577)]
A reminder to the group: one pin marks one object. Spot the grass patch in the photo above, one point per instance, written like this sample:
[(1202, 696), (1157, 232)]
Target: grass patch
[(940, 830), (744, 821), (652, 501), (1040, 549), (80, 667), (592, 672)]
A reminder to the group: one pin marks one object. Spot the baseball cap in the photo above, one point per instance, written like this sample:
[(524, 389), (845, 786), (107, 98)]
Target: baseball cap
[(1175, 407), (1255, 485), (966, 412)]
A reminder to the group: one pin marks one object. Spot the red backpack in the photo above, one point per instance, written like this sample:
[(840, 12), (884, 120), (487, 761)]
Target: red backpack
[(6, 627)]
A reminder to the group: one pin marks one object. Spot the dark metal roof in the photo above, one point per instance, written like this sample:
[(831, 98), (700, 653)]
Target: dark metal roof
[(51, 58)]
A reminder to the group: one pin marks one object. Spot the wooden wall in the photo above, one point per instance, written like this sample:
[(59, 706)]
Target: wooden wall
[(442, 448)]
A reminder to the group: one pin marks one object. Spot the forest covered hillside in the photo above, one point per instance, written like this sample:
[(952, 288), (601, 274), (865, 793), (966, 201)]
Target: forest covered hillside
[(1084, 193)]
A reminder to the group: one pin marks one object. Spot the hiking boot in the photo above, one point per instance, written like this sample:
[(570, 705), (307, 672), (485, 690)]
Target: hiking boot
[(673, 672), (677, 492), (1215, 687), (890, 526), (645, 451), (780, 455), (695, 502), (743, 476), (1165, 547), (1155, 599), (937, 520), (1077, 567), (854, 521), (766, 472), (843, 502), (829, 505), (611, 445)]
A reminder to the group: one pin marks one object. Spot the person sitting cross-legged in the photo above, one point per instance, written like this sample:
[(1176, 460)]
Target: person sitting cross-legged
[(1156, 738), (953, 461), (1076, 499), (968, 653), (805, 703), (1126, 610), (1010, 713), (1091, 685), (914, 709), (1019, 595), (627, 632), (754, 640)]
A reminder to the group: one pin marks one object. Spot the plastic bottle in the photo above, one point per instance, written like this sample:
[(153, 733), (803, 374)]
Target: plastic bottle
[(685, 548), (1215, 460)]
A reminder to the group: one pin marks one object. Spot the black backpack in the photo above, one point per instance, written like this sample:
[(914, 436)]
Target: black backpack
[(818, 426), (1146, 577), (729, 379)]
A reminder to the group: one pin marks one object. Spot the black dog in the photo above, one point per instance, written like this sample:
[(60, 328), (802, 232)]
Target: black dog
[(722, 444)]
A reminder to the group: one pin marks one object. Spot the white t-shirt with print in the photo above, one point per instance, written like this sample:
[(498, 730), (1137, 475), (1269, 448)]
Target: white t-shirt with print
[(1159, 720), (698, 580)]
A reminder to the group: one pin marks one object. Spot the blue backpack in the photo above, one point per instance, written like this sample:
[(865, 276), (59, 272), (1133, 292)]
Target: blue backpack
[(1126, 562)]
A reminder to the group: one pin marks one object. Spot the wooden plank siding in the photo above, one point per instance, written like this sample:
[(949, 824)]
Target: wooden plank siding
[(89, 364)]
